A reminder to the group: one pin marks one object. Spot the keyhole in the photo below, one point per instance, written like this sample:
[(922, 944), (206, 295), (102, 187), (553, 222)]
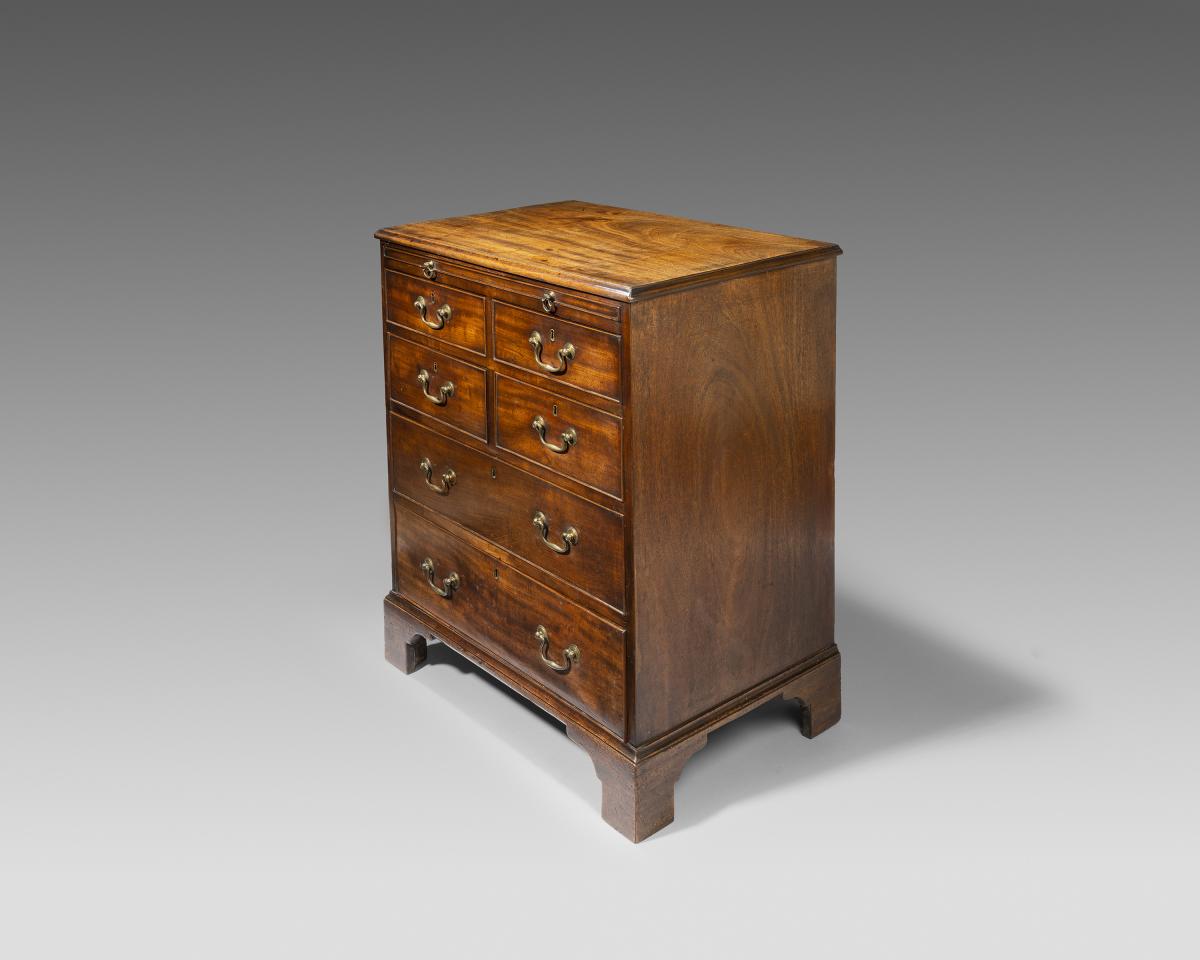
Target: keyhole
[(435, 366), (493, 473), (552, 334), (496, 572), (554, 409)]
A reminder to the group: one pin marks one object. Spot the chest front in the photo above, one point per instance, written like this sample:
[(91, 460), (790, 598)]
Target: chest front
[(610, 458)]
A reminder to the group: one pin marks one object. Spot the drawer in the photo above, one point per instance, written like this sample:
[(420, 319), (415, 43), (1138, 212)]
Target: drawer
[(436, 310), (514, 618), (500, 503), (568, 352), (432, 383), (569, 437)]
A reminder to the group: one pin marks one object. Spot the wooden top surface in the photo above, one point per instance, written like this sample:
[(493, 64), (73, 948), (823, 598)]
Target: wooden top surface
[(606, 250)]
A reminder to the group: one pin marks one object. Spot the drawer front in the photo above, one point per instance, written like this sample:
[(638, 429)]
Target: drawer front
[(582, 543), (565, 351), (453, 316), (432, 383), (514, 618), (568, 437)]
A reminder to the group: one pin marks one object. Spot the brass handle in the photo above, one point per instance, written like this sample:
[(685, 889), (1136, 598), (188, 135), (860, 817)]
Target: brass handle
[(549, 302), (449, 584), (443, 313), (570, 536), (448, 478), (571, 654), (445, 391), (429, 268), (566, 353), (569, 437)]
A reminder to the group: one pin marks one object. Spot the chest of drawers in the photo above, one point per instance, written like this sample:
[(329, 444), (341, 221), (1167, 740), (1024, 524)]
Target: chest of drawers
[(610, 442)]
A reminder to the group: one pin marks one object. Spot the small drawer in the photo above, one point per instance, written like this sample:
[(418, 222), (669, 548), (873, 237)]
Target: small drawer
[(568, 352), (554, 642), (568, 437), (574, 539), (434, 384), (436, 310)]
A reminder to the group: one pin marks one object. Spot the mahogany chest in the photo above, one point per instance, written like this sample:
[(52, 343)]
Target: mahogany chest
[(610, 446)]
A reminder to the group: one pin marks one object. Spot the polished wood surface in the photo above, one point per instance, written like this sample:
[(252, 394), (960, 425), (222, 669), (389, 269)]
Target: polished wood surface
[(732, 466), (693, 514), (498, 502), (501, 610), (596, 362), (466, 326), (637, 798), (573, 305), (593, 247), (594, 458), (465, 408)]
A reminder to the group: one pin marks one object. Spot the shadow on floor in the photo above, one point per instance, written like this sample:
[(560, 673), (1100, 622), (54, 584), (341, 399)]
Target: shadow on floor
[(441, 655), (901, 684)]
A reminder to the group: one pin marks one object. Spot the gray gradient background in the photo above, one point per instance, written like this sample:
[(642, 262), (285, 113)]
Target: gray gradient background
[(202, 751)]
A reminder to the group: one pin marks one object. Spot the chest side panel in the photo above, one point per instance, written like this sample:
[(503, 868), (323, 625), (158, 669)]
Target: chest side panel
[(731, 439)]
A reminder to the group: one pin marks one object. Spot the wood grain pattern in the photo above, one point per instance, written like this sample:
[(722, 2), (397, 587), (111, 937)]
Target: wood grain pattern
[(465, 409), (498, 502), (601, 249), (404, 645), (731, 443), (574, 305), (595, 367), (467, 324), (700, 484), (819, 693), (637, 798), (501, 609), (595, 458)]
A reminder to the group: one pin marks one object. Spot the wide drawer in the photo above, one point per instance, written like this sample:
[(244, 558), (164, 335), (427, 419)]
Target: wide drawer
[(450, 315), (571, 438), (434, 384), (567, 352), (555, 642), (582, 543)]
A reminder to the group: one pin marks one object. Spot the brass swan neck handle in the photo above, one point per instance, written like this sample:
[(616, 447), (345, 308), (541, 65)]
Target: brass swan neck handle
[(570, 654), (566, 353), (445, 391), (568, 437), (449, 584), (570, 536), (442, 313)]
